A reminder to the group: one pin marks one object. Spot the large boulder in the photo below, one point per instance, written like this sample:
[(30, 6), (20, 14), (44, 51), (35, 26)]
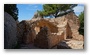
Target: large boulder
[(42, 38), (55, 38), (46, 39), (70, 44), (26, 33), (10, 31)]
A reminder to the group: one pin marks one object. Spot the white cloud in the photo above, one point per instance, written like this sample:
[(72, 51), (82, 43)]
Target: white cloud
[(31, 4), (36, 6), (79, 9), (32, 7)]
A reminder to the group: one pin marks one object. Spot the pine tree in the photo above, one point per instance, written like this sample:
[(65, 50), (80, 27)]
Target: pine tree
[(56, 9), (12, 10)]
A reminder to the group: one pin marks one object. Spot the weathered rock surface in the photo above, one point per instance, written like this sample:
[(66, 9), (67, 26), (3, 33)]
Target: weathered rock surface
[(71, 44), (54, 39), (42, 38), (37, 16), (26, 33), (10, 39), (46, 39), (69, 24), (47, 33)]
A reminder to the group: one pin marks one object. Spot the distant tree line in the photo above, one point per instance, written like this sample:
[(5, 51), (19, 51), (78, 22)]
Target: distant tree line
[(12, 10)]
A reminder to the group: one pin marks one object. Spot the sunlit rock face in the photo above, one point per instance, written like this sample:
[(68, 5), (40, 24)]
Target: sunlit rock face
[(26, 33), (69, 24), (47, 33), (37, 16)]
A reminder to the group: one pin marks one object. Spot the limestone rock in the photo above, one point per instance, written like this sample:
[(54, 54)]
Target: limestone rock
[(26, 33), (47, 33), (70, 44), (63, 45), (42, 38), (69, 24), (54, 39), (46, 39), (37, 16), (10, 31), (68, 32)]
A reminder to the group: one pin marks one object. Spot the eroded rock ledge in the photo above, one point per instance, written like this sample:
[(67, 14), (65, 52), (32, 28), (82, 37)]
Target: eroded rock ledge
[(47, 33)]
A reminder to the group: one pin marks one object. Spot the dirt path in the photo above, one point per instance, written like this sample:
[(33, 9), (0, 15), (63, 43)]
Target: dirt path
[(28, 46)]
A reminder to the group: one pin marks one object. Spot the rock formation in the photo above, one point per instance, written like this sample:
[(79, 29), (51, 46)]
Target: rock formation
[(26, 33), (70, 44), (37, 16), (10, 27), (50, 33), (68, 26), (73, 24), (42, 38)]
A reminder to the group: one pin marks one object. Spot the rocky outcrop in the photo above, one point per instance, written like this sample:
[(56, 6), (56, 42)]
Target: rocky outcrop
[(10, 39), (42, 38), (69, 24), (68, 32), (46, 39), (70, 44), (63, 45), (74, 23), (47, 33), (54, 39), (37, 16), (26, 33)]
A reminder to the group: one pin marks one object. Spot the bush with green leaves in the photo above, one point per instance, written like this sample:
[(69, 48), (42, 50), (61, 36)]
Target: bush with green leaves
[(81, 18)]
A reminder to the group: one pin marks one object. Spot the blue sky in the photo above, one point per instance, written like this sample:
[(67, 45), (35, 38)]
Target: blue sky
[(26, 11), (78, 9)]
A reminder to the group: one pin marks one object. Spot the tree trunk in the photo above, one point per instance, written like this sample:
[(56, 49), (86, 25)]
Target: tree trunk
[(55, 16)]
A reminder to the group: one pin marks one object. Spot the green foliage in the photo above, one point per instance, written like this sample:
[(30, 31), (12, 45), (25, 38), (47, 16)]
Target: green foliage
[(81, 18), (12, 10), (56, 9)]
